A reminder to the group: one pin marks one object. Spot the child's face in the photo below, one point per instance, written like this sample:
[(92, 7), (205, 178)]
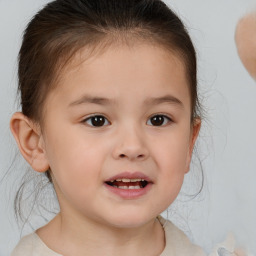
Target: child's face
[(142, 130)]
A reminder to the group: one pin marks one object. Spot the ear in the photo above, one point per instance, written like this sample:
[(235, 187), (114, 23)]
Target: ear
[(30, 142), (194, 134)]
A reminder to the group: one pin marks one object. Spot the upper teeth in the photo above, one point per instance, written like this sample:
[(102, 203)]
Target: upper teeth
[(128, 180)]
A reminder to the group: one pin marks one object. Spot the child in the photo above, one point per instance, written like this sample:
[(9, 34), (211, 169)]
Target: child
[(110, 114)]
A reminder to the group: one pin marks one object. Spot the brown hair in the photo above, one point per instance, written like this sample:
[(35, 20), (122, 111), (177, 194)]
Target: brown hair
[(64, 27)]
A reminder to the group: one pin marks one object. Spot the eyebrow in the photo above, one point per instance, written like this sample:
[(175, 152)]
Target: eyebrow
[(165, 99), (88, 99), (104, 101)]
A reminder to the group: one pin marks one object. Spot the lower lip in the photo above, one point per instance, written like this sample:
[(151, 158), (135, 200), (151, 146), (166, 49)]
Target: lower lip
[(129, 193)]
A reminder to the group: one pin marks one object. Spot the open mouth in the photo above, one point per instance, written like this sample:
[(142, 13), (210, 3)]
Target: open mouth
[(128, 183)]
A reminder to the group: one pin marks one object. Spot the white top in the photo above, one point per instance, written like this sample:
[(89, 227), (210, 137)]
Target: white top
[(177, 244)]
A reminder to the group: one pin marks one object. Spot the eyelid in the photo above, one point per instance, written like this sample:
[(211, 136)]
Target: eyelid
[(168, 116), (170, 119), (84, 120)]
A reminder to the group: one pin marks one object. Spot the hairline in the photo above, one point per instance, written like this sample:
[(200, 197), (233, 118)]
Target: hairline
[(96, 49)]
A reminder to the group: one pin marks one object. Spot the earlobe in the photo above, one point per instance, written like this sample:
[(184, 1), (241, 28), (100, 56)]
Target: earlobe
[(194, 134), (29, 140)]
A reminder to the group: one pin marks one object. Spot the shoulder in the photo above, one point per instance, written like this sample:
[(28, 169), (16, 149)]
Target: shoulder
[(25, 245), (228, 247), (177, 243), (32, 245)]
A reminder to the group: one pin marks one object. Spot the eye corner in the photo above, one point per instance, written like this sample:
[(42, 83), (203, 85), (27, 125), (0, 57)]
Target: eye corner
[(96, 121), (159, 120)]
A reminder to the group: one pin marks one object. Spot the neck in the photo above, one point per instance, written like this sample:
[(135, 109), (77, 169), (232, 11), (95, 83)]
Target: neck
[(75, 236)]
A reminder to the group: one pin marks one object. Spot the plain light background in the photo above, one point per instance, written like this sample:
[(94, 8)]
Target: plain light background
[(228, 138)]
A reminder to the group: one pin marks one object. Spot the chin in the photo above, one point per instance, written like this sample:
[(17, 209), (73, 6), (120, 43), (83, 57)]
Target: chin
[(129, 220)]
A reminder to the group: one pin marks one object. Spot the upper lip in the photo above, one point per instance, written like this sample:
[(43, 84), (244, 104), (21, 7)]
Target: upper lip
[(130, 175)]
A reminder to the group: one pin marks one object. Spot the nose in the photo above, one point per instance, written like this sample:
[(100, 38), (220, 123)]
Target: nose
[(131, 145)]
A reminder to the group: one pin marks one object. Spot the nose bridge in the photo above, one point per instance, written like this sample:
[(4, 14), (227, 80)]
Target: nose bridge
[(131, 142)]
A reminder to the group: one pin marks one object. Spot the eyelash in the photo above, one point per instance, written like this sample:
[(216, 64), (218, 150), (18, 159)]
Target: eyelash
[(89, 120), (166, 119), (104, 121)]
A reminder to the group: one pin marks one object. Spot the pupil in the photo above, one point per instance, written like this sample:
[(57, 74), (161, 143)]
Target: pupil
[(157, 120), (98, 121)]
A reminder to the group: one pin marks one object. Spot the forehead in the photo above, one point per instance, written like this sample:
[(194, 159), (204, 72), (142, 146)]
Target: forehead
[(143, 69)]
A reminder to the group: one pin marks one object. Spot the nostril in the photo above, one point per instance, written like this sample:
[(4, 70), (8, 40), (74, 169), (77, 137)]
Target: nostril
[(138, 156)]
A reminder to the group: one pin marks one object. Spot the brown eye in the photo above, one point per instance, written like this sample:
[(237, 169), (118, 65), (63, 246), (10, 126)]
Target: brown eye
[(158, 120), (97, 121)]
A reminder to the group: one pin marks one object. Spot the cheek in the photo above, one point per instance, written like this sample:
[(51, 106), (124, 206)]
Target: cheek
[(172, 152), (171, 156), (76, 172), (74, 158)]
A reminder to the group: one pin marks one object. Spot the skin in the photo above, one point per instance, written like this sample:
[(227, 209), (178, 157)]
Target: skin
[(82, 157), (245, 38)]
